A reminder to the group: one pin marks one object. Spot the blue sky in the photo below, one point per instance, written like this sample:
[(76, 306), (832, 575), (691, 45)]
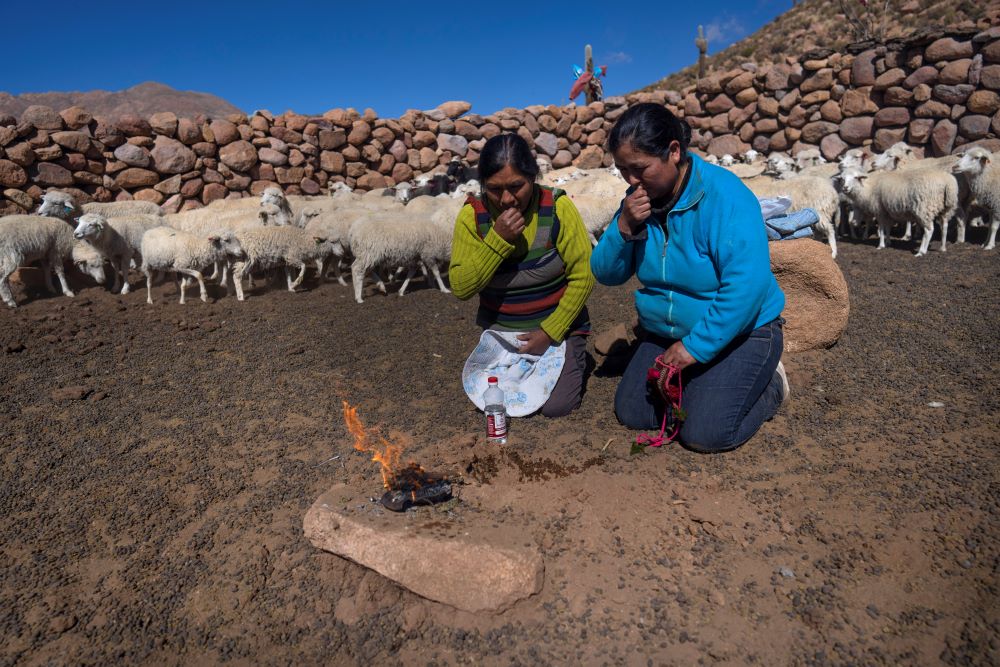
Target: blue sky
[(390, 56)]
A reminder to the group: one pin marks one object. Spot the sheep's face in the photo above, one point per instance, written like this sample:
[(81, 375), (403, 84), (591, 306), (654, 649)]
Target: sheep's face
[(307, 215), (727, 160), (779, 164), (272, 196), (853, 181), (268, 215), (228, 244), (974, 161), (404, 193), (56, 205), (93, 268), (89, 226), (750, 156)]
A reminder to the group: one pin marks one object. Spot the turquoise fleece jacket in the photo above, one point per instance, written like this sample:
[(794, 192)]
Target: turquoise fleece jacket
[(706, 278)]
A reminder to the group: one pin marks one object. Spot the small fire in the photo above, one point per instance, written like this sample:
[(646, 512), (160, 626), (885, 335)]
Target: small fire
[(383, 451)]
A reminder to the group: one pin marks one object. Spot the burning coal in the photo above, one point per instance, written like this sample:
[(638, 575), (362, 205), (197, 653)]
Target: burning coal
[(406, 485)]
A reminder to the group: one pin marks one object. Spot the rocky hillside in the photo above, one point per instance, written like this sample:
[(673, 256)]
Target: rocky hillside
[(813, 24), (142, 100)]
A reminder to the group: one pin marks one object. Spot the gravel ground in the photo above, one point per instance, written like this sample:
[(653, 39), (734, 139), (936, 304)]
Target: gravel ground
[(157, 462)]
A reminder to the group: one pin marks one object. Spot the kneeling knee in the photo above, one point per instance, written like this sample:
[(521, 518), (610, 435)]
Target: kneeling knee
[(707, 438)]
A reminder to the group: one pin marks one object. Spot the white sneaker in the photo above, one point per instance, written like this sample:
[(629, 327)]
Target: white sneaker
[(785, 389)]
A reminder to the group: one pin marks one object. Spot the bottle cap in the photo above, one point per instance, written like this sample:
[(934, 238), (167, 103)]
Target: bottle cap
[(492, 379)]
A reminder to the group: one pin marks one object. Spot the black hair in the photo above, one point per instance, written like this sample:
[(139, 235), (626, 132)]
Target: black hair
[(650, 128), (503, 150)]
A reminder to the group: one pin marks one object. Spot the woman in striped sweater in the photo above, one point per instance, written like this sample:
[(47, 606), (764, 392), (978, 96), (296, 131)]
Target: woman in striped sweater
[(524, 250)]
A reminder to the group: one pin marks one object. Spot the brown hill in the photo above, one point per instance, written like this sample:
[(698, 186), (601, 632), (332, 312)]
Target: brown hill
[(143, 100), (813, 24)]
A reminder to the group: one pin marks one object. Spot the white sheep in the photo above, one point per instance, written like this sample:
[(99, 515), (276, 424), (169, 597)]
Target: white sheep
[(117, 209), (286, 246), (596, 213), (727, 160), (277, 198), (118, 239), (30, 238), (57, 204), (169, 249), (925, 196), (88, 261), (983, 176), (809, 157), (750, 156)]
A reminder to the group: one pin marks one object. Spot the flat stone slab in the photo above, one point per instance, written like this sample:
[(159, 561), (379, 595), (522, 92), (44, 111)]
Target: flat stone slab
[(470, 568)]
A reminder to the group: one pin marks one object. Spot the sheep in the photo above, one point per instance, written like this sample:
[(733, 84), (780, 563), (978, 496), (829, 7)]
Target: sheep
[(984, 182), (806, 191), (57, 204), (727, 160), (117, 209), (924, 195), (88, 261), (596, 213), (809, 157), (168, 249), (276, 197), (272, 246), (118, 239), (750, 156), (28, 238), (778, 163)]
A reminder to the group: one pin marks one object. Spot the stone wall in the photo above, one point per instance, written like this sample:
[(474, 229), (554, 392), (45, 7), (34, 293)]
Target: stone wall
[(935, 91)]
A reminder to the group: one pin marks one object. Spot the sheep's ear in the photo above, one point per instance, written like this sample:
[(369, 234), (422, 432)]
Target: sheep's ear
[(895, 161), (985, 160), (214, 239)]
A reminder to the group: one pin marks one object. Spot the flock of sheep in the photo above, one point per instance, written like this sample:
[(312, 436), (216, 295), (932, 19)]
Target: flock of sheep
[(409, 227)]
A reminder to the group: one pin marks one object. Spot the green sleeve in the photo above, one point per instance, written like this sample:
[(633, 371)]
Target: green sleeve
[(474, 260), (574, 247)]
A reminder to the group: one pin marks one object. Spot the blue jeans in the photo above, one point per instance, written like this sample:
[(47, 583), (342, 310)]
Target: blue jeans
[(726, 400)]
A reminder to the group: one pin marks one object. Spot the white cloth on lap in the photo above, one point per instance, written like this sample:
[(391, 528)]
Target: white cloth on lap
[(527, 380)]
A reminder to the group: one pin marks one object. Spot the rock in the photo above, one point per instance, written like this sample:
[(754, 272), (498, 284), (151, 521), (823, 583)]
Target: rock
[(371, 180), (897, 96), (12, 175), (947, 48), (893, 77), (149, 195), (863, 69), (468, 571), (204, 149), (402, 172), (990, 77), (132, 155), (19, 197), (777, 77), (892, 116), (547, 143), (590, 157), (332, 162), (562, 158), (134, 177), (956, 94), (272, 157), (42, 117), (454, 109), (239, 155), (164, 122), (920, 130), (108, 133), (856, 130), (887, 137), (813, 133), (857, 102), (171, 156), (170, 186), (360, 132), (332, 139), (53, 175), (132, 125), (7, 135), (188, 131), (974, 126), (21, 154), (983, 101), (932, 109), (816, 298), (926, 75), (76, 117), (821, 80), (738, 83), (955, 72), (192, 188), (943, 137), (726, 144), (832, 146), (213, 192), (830, 111), (719, 104), (457, 144), (224, 132)]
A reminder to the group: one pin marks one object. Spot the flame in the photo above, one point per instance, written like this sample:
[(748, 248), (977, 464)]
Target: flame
[(384, 452)]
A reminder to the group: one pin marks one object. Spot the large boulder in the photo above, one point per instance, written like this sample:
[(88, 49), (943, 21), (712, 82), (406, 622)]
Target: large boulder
[(239, 155), (171, 156), (42, 117), (469, 571), (816, 298)]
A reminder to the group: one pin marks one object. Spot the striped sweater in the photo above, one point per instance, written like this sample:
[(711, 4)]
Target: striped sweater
[(475, 260)]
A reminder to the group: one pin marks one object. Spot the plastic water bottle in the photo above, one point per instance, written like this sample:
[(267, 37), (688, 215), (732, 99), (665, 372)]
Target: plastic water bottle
[(496, 413)]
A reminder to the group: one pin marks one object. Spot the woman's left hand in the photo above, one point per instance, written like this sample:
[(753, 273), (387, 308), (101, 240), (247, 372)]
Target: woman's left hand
[(678, 356), (535, 342)]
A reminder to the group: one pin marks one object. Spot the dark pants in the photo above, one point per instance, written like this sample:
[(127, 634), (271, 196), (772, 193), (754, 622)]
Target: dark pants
[(726, 400), (568, 392)]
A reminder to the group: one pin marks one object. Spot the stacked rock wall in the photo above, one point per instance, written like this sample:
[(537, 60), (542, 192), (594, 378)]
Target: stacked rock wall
[(935, 91)]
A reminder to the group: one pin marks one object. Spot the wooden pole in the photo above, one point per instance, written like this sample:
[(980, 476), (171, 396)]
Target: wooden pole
[(588, 65)]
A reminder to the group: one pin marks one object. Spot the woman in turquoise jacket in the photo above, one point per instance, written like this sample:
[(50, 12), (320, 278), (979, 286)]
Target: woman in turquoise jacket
[(693, 235)]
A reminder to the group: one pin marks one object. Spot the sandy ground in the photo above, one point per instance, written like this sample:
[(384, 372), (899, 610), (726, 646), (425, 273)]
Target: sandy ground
[(157, 462)]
